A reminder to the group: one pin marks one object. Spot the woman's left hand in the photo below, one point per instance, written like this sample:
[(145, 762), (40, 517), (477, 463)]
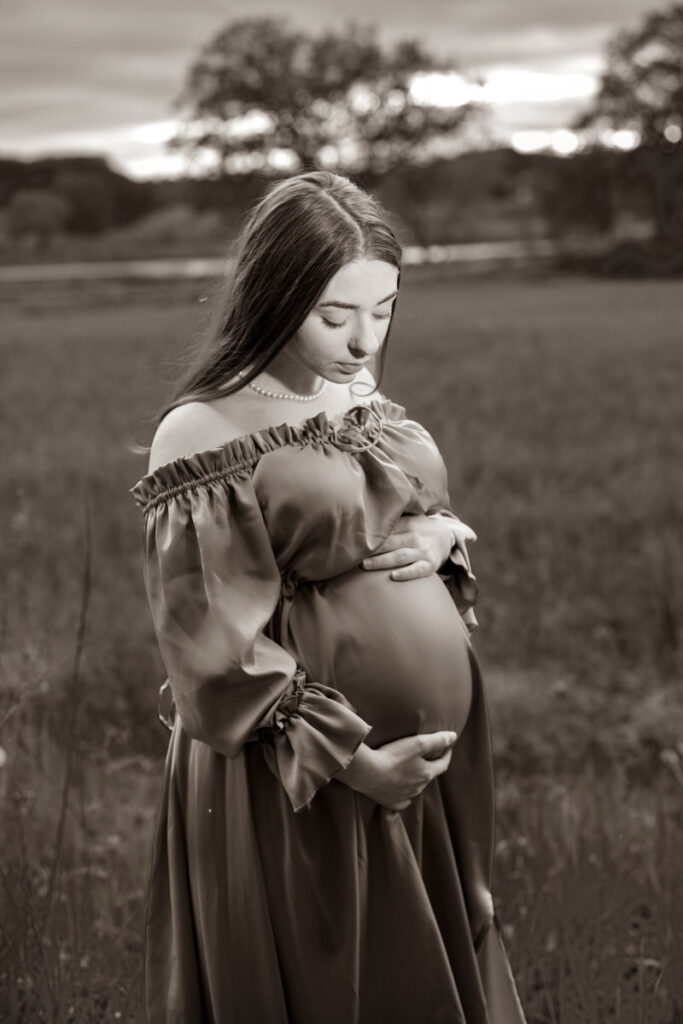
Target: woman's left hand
[(419, 545)]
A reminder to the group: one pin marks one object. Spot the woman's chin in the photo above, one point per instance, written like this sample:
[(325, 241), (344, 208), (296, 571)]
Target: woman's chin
[(342, 373)]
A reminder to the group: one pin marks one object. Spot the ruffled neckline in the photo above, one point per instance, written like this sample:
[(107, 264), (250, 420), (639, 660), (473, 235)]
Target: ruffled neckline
[(243, 452)]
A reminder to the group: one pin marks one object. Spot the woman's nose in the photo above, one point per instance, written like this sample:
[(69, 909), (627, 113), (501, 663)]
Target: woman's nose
[(365, 340)]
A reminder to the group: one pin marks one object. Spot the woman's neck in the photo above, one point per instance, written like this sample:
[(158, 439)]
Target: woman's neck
[(289, 377)]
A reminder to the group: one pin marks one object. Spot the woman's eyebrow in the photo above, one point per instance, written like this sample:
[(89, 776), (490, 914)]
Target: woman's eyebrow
[(347, 305)]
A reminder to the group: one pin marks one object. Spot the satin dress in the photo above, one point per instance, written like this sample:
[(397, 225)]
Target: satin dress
[(278, 894)]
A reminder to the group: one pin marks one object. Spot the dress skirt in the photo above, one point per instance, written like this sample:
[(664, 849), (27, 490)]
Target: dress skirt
[(349, 913)]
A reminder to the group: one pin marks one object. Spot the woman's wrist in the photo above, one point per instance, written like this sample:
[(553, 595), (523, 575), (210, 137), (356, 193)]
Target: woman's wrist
[(451, 535), (360, 770), (452, 541)]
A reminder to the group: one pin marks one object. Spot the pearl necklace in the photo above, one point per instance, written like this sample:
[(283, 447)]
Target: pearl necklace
[(294, 397)]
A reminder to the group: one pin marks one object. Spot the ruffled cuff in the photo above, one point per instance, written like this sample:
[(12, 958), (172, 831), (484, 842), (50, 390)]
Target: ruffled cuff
[(312, 735), (456, 573)]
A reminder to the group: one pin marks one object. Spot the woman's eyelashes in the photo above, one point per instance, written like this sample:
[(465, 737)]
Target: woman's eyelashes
[(331, 323)]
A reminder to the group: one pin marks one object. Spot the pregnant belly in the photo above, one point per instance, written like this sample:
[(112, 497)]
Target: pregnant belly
[(398, 650)]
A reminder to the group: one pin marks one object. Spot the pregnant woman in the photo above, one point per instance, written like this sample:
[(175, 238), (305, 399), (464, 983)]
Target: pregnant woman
[(324, 842)]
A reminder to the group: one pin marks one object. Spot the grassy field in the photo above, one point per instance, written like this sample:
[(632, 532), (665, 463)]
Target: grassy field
[(556, 405)]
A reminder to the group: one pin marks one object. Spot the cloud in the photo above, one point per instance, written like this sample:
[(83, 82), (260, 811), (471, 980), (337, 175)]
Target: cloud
[(88, 71)]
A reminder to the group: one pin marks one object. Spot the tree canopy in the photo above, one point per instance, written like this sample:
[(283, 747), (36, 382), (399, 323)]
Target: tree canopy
[(642, 85), (264, 95), (641, 90)]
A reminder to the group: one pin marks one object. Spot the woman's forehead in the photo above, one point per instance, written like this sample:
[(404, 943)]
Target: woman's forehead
[(362, 282)]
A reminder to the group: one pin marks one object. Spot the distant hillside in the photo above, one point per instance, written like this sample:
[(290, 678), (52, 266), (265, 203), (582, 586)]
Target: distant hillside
[(97, 196), (79, 205)]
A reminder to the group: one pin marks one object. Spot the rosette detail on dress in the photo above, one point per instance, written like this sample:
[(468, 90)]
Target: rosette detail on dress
[(360, 429)]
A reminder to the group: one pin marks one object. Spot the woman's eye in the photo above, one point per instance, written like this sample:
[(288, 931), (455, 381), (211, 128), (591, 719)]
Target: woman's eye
[(331, 323)]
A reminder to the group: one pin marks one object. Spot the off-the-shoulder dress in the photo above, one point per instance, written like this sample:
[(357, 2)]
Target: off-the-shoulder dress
[(278, 894)]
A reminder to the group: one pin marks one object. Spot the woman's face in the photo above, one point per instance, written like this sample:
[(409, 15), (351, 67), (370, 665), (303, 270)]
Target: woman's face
[(349, 322)]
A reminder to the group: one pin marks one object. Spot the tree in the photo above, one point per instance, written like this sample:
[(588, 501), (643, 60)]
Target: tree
[(642, 90), (642, 86), (264, 95), (36, 215)]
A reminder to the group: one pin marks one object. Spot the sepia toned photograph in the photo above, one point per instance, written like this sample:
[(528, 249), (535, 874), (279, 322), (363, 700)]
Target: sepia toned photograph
[(341, 582)]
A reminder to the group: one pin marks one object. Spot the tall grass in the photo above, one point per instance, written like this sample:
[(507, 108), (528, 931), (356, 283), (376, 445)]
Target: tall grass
[(556, 405), (70, 912), (588, 874)]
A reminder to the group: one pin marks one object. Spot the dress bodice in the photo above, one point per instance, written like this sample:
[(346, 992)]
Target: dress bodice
[(329, 491)]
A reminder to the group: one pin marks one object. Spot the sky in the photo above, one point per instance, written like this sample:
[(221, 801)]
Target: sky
[(99, 76)]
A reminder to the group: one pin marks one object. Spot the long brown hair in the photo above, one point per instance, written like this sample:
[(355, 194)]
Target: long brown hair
[(294, 240)]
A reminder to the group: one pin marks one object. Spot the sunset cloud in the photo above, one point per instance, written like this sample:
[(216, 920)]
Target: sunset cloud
[(88, 76)]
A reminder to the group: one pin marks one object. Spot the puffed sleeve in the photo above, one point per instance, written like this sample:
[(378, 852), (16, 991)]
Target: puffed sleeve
[(213, 584)]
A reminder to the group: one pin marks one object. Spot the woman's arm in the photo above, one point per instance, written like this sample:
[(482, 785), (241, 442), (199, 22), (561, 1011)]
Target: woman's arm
[(214, 584)]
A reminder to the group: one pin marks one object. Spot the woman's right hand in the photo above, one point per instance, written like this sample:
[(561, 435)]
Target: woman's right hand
[(395, 773)]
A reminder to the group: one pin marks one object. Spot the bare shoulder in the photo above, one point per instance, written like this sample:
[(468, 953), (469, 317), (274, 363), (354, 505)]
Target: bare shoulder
[(190, 428)]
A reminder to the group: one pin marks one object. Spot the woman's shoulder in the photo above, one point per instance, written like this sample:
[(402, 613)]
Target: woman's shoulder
[(189, 428), (202, 425)]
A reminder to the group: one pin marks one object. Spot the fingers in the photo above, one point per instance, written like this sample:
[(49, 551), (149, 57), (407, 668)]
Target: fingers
[(404, 563), (390, 559), (414, 571), (428, 773), (440, 764), (414, 761), (432, 745), (408, 552)]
